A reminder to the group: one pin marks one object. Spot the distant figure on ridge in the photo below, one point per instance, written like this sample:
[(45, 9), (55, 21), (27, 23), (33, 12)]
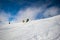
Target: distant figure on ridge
[(9, 22)]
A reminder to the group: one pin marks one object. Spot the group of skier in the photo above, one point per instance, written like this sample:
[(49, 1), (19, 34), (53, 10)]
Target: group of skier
[(24, 21)]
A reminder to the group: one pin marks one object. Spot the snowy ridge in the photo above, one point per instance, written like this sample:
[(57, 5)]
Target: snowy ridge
[(43, 29)]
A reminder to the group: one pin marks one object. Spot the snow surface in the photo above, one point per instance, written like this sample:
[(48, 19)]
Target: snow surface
[(42, 29)]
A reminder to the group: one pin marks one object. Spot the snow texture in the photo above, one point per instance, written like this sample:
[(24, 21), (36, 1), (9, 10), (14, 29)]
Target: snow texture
[(42, 29)]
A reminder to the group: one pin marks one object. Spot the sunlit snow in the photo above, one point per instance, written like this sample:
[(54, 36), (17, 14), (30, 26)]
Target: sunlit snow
[(42, 29)]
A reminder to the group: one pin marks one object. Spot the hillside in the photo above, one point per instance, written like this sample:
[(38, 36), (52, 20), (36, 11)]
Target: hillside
[(42, 29)]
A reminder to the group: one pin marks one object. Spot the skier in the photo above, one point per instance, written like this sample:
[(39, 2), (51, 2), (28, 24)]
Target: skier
[(9, 22), (27, 20)]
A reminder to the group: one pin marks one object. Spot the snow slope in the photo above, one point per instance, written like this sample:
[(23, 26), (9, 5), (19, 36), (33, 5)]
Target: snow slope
[(43, 29)]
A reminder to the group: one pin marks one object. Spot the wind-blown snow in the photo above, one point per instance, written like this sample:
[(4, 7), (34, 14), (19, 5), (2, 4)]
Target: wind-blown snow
[(43, 29)]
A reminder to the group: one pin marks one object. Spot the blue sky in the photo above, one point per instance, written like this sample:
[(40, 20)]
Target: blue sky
[(32, 9)]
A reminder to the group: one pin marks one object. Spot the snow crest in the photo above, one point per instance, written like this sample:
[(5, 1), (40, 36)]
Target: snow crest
[(43, 29)]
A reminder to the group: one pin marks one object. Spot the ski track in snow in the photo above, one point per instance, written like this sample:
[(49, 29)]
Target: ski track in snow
[(43, 29)]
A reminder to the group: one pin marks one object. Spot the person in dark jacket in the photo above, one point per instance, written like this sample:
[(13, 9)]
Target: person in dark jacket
[(27, 20)]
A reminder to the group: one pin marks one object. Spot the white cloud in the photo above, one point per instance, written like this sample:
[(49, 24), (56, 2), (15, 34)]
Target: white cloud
[(4, 17), (29, 13), (53, 11)]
